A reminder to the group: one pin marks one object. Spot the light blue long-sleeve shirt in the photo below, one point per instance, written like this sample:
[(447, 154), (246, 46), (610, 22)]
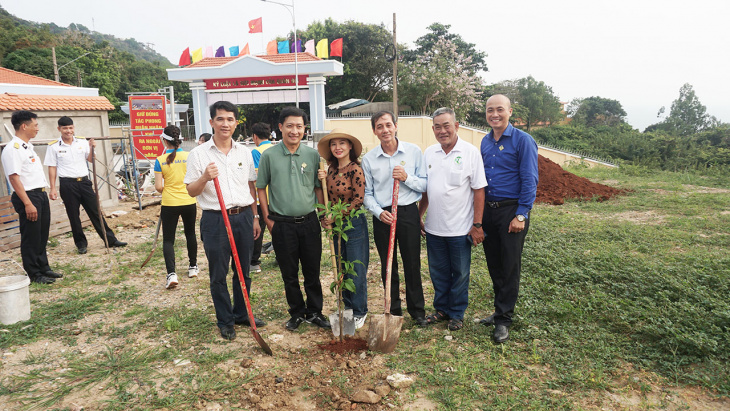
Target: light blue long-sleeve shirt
[(378, 169)]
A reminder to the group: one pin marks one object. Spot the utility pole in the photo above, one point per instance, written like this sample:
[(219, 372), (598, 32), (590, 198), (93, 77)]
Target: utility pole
[(395, 73), (55, 65)]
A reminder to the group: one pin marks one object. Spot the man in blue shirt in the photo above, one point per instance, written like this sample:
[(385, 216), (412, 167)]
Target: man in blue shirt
[(395, 159), (510, 164)]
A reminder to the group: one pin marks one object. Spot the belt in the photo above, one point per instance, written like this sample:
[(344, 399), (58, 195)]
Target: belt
[(73, 178), (497, 204), (37, 190), (295, 220), (236, 210)]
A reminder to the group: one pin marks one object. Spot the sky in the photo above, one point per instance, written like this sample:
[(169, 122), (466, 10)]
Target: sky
[(639, 52)]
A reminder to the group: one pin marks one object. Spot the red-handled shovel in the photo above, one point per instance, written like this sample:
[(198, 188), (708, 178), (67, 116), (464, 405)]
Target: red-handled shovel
[(234, 251)]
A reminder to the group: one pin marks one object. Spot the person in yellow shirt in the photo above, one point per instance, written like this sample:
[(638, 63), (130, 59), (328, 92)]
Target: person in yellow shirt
[(170, 169), (261, 134)]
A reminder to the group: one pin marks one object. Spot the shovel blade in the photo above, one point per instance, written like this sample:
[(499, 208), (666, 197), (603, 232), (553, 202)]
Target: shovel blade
[(259, 339), (383, 332)]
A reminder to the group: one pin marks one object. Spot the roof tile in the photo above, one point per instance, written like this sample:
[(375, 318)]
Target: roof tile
[(8, 76), (11, 102), (274, 58)]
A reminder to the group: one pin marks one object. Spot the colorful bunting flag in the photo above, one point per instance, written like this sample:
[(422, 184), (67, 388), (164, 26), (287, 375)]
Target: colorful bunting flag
[(298, 47), (198, 55), (322, 49), (233, 51), (256, 25), (185, 58), (271, 48), (336, 47), (245, 50), (283, 47), (309, 47), (221, 53), (208, 52)]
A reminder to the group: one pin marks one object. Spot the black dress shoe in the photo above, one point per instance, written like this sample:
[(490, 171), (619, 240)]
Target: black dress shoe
[(52, 274), (487, 321), (42, 279), (318, 320), (293, 323), (118, 243), (247, 323), (82, 250), (228, 332), (501, 334), (421, 321)]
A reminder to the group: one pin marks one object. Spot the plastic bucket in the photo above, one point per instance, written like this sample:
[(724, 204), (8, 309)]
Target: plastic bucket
[(14, 299)]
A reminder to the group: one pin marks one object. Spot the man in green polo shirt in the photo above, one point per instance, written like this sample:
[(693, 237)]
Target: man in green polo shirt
[(289, 170)]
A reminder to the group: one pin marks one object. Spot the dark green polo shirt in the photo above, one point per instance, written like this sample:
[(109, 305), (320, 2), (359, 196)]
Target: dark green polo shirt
[(291, 179)]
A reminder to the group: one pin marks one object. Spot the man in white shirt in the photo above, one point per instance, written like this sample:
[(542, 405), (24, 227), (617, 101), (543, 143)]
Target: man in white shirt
[(24, 172), (455, 202), (233, 164), (66, 157)]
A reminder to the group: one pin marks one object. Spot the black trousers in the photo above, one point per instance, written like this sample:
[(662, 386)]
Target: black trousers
[(34, 234), (218, 250), (259, 242), (408, 240), (296, 243), (80, 193), (170, 215), (503, 251)]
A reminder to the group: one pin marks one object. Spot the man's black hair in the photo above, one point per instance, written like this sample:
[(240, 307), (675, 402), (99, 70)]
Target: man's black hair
[(21, 117), (262, 131), (292, 111), (379, 114), (225, 106), (65, 121)]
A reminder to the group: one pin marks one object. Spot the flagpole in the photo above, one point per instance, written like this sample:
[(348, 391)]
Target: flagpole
[(296, 51)]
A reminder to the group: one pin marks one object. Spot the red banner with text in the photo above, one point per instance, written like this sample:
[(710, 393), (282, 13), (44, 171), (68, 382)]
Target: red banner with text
[(147, 119)]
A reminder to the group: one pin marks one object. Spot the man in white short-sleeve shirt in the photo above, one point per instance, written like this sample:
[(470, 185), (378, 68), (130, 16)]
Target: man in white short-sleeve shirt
[(24, 172), (454, 198), (67, 157), (232, 164)]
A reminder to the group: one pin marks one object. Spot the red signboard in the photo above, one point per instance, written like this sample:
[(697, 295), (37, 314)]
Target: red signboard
[(254, 82), (147, 118)]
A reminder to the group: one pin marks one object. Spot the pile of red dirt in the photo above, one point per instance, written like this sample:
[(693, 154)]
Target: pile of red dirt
[(556, 185), (346, 345)]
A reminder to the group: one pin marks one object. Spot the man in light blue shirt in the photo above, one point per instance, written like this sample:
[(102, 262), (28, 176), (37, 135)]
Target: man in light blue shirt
[(395, 159)]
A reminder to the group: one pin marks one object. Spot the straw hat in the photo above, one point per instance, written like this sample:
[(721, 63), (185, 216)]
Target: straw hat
[(324, 144)]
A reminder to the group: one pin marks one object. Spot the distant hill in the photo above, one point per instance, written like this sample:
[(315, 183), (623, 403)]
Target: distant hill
[(16, 33)]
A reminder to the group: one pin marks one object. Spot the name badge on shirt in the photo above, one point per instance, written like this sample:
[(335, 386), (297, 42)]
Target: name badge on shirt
[(501, 148)]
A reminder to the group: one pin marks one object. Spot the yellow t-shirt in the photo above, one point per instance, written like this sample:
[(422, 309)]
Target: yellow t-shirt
[(174, 193)]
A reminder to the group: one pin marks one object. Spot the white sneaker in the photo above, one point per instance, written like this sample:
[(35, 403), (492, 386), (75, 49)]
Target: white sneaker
[(193, 271), (255, 269), (360, 321), (171, 281)]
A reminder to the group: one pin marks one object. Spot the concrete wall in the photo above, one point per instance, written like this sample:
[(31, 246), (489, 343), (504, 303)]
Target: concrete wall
[(88, 124), (417, 130)]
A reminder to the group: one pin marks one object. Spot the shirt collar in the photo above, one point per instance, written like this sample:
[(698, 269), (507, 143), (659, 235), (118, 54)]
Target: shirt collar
[(60, 141), (169, 150), (507, 131), (289, 153), (399, 149), (459, 146), (264, 142)]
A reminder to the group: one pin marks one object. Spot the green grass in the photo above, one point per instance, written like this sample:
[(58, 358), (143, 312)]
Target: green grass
[(620, 295)]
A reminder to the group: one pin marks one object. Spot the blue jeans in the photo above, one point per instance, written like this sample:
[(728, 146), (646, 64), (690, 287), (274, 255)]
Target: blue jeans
[(218, 250), (357, 248), (449, 261)]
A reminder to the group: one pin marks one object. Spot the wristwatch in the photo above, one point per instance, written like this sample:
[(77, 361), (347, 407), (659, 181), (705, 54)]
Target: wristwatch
[(521, 218), (477, 225), (256, 216)]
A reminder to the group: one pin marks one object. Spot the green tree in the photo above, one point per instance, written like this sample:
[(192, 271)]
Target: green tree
[(687, 115), (441, 77), (367, 73), (540, 104), (596, 111)]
